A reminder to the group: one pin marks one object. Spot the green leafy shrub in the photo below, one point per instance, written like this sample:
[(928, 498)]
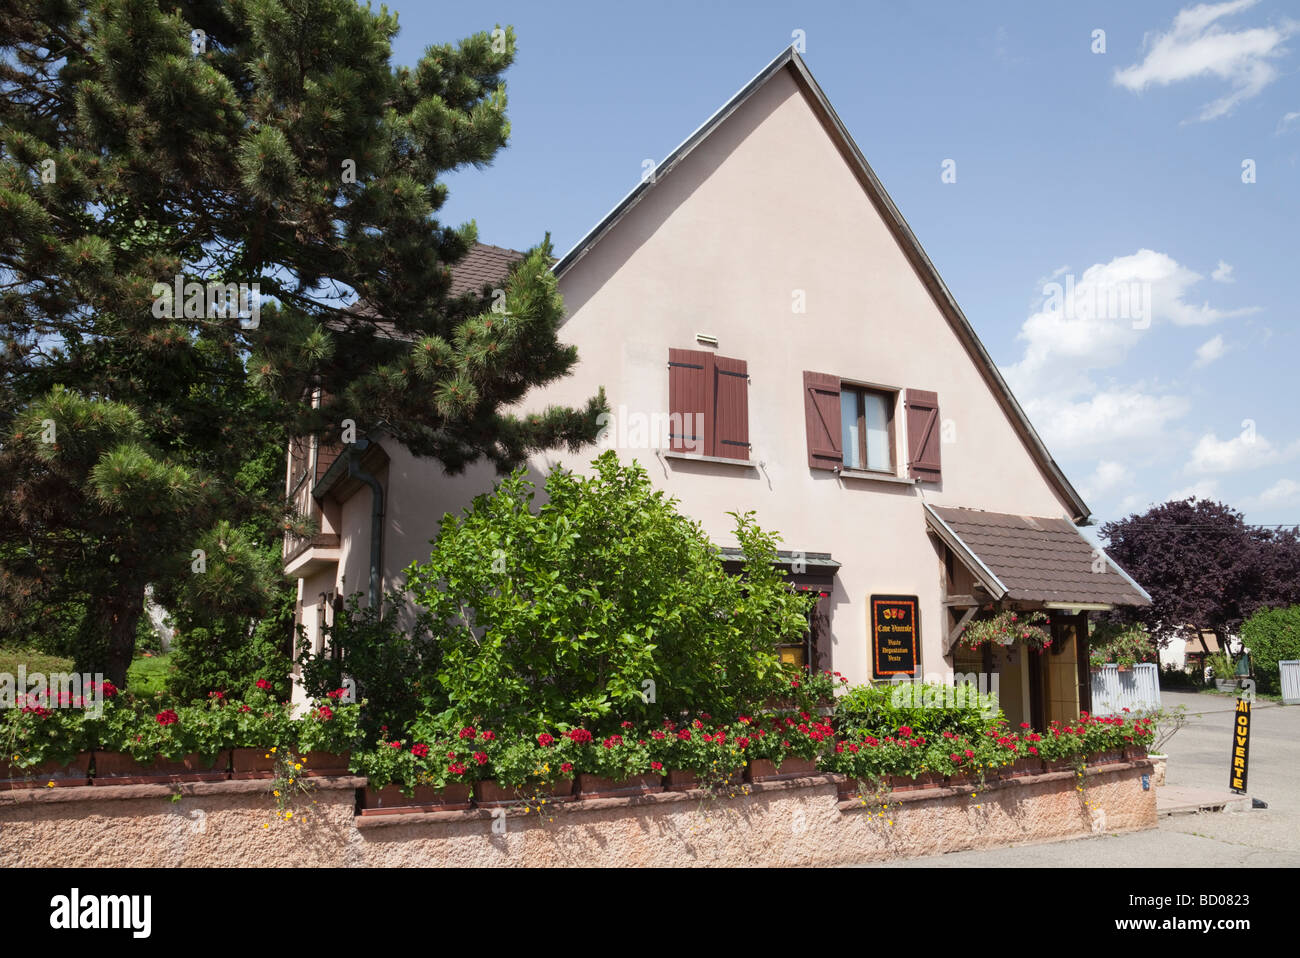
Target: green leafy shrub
[(931, 709), (1272, 636), (370, 646), (605, 602)]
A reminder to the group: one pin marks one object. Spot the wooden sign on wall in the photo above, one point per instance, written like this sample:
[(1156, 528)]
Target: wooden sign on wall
[(895, 635)]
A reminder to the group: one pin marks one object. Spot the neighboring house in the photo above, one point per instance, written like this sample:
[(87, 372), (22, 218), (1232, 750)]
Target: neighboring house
[(771, 336)]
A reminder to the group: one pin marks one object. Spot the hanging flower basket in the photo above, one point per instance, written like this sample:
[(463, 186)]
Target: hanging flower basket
[(1007, 628)]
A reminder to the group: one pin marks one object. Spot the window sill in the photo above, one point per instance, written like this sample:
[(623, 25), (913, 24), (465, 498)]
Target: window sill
[(696, 457), (875, 476)]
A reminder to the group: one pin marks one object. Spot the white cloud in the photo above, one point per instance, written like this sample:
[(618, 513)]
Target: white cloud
[(1093, 321), (1108, 417), (1196, 45), (1209, 351), (1223, 273), (1288, 121), (1204, 489), (1249, 450), (1284, 492), (1108, 475)]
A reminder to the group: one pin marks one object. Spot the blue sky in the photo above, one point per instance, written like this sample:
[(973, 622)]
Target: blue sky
[(1114, 171)]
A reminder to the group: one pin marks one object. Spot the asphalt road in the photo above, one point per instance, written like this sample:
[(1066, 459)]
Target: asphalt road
[(1198, 756)]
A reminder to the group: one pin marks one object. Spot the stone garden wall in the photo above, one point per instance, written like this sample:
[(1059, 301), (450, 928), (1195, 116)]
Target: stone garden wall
[(805, 821)]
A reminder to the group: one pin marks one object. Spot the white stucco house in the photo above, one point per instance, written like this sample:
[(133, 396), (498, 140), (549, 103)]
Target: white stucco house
[(763, 295)]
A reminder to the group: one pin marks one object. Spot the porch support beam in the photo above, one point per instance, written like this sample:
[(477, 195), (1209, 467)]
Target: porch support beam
[(955, 634)]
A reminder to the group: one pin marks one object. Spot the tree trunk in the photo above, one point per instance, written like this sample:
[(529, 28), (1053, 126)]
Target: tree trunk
[(119, 618)]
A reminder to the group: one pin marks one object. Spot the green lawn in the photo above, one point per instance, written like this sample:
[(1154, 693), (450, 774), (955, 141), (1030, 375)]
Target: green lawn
[(146, 675), (10, 659)]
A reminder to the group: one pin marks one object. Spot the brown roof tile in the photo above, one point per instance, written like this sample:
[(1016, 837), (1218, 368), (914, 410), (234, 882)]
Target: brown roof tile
[(482, 266), (1039, 559)]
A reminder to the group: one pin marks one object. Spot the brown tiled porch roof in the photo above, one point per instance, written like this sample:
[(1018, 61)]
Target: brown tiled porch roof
[(1033, 558)]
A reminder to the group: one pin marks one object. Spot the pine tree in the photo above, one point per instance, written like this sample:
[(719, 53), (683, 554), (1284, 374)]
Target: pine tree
[(149, 147)]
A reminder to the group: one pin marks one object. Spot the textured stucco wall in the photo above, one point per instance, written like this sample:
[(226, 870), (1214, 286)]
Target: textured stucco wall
[(787, 823)]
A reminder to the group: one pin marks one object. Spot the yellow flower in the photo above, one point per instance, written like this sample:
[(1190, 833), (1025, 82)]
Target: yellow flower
[(272, 748), (49, 784), (299, 765), (276, 793), (265, 825)]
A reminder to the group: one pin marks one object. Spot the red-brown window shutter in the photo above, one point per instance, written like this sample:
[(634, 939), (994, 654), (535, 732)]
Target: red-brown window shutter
[(731, 405), (690, 400), (923, 435), (821, 405)]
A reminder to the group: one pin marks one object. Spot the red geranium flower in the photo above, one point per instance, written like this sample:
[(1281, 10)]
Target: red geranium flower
[(420, 750), (264, 685), (684, 735), (481, 757), (166, 717), (657, 766), (545, 740), (579, 736), (468, 733), (325, 713), (455, 768), (566, 767), (488, 736)]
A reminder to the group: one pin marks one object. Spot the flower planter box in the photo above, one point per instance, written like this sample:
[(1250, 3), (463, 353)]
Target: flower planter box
[(1021, 767), (76, 772), (247, 763), (1105, 758), (765, 770), (321, 764), (679, 781), (1058, 765), (593, 786), (1134, 753), (853, 788), (389, 800), (115, 768), (905, 783), (488, 794)]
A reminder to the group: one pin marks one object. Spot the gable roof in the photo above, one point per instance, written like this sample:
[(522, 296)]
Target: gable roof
[(790, 60), (1032, 558)]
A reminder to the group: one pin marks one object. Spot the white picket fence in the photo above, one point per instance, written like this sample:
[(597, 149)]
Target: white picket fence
[(1136, 689), (1290, 669)]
